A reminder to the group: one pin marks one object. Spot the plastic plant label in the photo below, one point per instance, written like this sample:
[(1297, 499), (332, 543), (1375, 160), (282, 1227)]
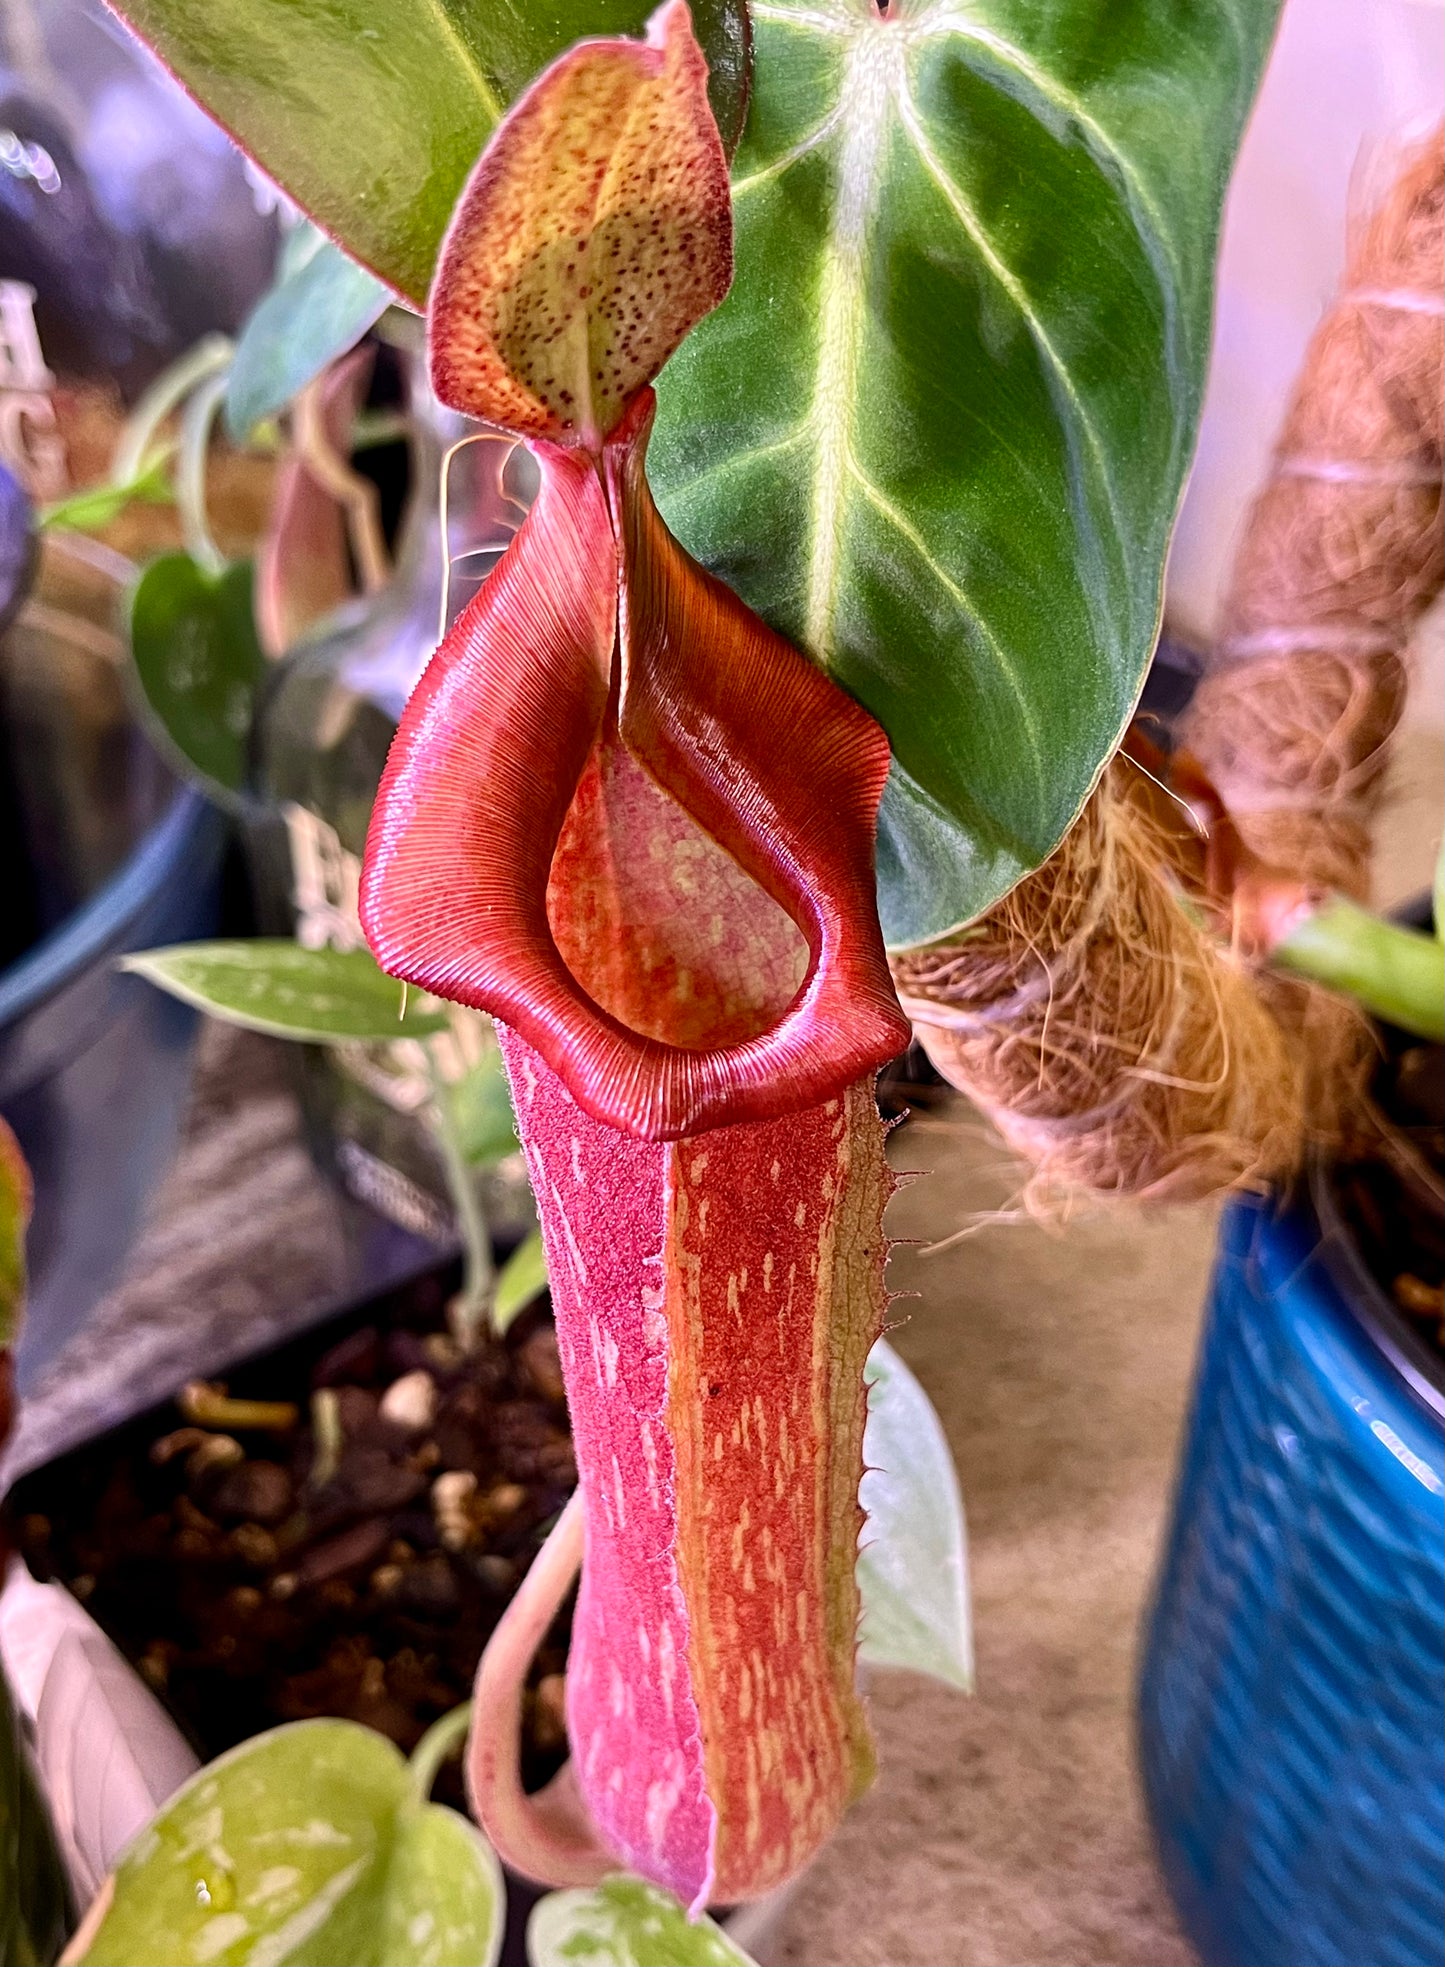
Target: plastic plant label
[(913, 1557)]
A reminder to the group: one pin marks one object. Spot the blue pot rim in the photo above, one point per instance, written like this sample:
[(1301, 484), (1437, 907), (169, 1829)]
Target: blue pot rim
[(1361, 1293), (101, 924)]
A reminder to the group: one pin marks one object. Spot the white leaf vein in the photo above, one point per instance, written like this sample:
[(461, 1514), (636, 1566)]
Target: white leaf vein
[(767, 172), (1146, 213), (1065, 394), (961, 599)]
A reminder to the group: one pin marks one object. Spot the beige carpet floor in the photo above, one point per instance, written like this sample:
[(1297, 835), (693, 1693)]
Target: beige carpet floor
[(1005, 1828)]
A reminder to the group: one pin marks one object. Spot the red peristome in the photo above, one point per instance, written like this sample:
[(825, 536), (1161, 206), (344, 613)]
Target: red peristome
[(782, 769), (772, 776), (594, 232), (715, 1300), (486, 759)]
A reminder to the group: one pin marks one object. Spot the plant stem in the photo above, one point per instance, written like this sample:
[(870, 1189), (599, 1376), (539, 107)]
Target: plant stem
[(352, 490), (473, 1303), (1399, 974), (200, 414), (439, 1741), (210, 354), (326, 1432)]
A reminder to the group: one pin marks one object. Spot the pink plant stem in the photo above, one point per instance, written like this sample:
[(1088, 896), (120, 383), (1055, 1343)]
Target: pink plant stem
[(547, 1837)]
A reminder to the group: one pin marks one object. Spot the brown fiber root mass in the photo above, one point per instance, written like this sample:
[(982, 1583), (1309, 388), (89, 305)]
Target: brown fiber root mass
[(1342, 551), (1114, 1043)]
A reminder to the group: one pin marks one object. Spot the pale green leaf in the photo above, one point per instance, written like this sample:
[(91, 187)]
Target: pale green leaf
[(938, 430), (481, 1112), (317, 995), (92, 510), (913, 1554), (315, 313), (625, 1922), (445, 1900), (371, 114), (520, 1282), (304, 1847)]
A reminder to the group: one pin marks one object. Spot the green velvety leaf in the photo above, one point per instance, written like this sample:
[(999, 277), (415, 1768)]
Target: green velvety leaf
[(938, 430), (314, 313), (304, 1847), (481, 1111), (199, 664), (520, 1282), (315, 995), (371, 114), (625, 1922), (34, 1899), (913, 1555)]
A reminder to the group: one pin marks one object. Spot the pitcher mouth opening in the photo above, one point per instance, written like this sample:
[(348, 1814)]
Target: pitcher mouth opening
[(608, 740)]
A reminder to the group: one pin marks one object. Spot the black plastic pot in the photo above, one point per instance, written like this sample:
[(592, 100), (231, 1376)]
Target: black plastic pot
[(95, 1064), (55, 1490)]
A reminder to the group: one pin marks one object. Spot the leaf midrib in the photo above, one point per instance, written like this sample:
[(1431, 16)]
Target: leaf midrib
[(865, 106), (875, 94), (486, 94)]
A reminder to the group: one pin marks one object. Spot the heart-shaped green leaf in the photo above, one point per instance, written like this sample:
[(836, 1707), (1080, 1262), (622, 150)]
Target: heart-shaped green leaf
[(937, 432), (305, 1847), (913, 1555), (372, 114), (625, 1922), (444, 1897), (316, 311), (520, 1282), (199, 664), (316, 995)]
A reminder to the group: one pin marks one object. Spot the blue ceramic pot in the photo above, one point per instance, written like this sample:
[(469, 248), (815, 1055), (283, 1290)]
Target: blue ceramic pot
[(94, 1067), (1292, 1708)]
